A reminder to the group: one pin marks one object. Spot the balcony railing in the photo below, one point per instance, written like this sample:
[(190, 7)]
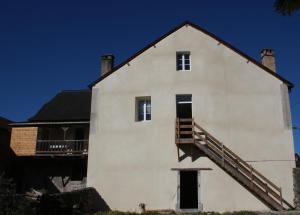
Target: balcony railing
[(62, 147)]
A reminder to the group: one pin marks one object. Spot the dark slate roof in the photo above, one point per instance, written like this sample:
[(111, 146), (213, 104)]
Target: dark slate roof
[(66, 106), (188, 23)]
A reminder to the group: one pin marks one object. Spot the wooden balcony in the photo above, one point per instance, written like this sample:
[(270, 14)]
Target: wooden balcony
[(50, 139), (62, 147)]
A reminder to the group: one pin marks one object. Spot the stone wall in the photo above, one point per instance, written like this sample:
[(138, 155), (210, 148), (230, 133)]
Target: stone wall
[(296, 174), (67, 183), (23, 140)]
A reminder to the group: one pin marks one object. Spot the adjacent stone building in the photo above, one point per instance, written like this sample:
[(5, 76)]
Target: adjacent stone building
[(51, 147)]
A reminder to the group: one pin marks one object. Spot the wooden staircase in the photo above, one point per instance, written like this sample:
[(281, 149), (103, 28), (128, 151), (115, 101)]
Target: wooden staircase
[(189, 132)]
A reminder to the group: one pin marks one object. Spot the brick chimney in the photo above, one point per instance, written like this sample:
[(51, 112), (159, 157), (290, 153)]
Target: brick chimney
[(268, 59), (107, 63)]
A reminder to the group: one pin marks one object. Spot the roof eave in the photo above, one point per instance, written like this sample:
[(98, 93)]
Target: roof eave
[(17, 124)]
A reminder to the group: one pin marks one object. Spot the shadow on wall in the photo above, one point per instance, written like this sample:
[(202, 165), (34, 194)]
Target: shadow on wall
[(189, 151), (81, 201), (96, 202)]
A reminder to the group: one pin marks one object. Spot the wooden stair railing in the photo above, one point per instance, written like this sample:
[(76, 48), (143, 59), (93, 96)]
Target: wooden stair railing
[(189, 132)]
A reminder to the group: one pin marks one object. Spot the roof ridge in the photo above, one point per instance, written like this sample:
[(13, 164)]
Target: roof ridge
[(187, 22)]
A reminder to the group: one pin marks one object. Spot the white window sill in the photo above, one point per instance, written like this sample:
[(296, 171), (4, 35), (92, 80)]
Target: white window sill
[(144, 121)]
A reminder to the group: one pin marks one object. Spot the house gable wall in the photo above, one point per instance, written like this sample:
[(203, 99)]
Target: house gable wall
[(130, 162)]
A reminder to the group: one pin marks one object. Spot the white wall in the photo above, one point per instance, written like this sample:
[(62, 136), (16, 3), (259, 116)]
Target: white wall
[(239, 103)]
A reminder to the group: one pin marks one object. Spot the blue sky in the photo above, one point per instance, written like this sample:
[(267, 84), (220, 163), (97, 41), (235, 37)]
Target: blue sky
[(48, 46)]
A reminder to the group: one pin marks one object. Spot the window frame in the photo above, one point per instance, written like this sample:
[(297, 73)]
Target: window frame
[(183, 59), (146, 102)]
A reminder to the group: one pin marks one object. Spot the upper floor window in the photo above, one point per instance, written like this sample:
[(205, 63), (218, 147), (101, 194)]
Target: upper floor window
[(143, 108), (183, 61)]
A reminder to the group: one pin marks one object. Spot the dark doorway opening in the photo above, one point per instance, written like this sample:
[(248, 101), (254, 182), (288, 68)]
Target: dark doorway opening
[(79, 134), (188, 190), (184, 111), (184, 106)]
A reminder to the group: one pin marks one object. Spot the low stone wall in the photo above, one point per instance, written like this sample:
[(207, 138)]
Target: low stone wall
[(67, 184), (296, 175)]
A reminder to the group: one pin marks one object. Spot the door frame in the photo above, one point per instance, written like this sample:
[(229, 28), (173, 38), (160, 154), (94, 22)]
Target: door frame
[(200, 206), (191, 102)]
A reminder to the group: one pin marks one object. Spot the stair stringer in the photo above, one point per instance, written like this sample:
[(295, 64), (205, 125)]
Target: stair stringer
[(242, 180), (222, 193)]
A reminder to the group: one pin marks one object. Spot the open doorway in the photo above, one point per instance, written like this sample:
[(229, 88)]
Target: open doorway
[(188, 190), (184, 106), (184, 111)]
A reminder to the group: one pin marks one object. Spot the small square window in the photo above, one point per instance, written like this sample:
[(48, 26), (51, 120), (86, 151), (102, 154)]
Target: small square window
[(143, 109), (183, 61)]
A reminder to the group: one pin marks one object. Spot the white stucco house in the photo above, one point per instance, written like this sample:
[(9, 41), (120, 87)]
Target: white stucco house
[(190, 123)]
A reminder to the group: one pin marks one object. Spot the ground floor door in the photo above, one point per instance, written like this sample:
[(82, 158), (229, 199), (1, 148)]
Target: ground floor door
[(188, 190)]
